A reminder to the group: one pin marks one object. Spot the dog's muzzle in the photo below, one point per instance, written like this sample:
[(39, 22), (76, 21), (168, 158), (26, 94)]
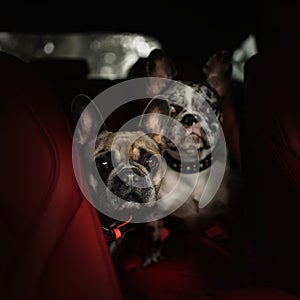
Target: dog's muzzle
[(189, 120), (131, 176), (132, 184)]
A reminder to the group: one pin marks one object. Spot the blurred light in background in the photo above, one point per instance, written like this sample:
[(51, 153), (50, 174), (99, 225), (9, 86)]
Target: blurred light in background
[(109, 55), (247, 49), (49, 48)]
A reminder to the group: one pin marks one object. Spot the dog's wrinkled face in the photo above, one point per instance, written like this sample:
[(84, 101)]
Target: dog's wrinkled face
[(129, 163), (197, 108), (197, 113), (123, 169)]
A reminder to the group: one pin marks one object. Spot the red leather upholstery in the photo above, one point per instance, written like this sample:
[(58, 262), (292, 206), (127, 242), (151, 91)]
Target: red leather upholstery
[(272, 170), (271, 148), (52, 246), (254, 293), (51, 243), (230, 124)]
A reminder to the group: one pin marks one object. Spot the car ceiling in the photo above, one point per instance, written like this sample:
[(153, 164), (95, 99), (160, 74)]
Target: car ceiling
[(187, 28)]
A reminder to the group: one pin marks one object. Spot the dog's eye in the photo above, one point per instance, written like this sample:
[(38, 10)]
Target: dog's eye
[(152, 162), (102, 164)]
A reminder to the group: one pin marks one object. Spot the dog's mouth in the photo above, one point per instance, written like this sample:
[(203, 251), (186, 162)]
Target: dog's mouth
[(133, 197), (126, 192), (197, 138), (190, 145), (191, 142), (133, 201)]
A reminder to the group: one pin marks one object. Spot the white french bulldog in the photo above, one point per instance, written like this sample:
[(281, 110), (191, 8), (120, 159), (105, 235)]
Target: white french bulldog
[(197, 109)]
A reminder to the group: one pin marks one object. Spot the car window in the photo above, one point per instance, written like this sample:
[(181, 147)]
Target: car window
[(109, 55)]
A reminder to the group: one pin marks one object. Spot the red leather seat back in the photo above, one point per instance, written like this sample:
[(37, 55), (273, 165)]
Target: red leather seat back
[(52, 245), (271, 164)]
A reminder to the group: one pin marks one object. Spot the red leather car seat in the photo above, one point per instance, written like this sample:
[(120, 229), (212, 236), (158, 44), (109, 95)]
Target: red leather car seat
[(52, 245), (271, 164)]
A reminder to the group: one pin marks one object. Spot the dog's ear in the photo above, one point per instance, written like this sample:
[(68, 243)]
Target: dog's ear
[(159, 64), (153, 120), (85, 116), (218, 72)]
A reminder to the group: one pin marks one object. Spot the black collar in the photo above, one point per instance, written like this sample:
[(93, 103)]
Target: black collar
[(187, 167)]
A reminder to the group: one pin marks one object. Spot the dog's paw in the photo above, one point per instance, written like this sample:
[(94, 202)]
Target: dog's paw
[(218, 71), (154, 243), (152, 258)]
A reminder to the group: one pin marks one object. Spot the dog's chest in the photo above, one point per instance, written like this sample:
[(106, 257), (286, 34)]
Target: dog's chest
[(193, 185), (178, 188)]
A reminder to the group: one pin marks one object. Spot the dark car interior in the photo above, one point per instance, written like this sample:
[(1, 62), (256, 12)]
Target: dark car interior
[(52, 242)]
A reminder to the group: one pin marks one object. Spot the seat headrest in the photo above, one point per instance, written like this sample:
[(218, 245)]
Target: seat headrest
[(62, 68)]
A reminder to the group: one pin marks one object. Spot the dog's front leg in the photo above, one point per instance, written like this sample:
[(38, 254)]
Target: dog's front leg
[(154, 247)]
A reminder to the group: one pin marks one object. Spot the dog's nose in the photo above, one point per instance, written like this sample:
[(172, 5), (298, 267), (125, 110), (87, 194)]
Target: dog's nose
[(130, 176), (189, 120)]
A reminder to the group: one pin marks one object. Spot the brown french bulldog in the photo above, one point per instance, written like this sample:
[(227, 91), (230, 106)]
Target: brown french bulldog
[(129, 163)]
